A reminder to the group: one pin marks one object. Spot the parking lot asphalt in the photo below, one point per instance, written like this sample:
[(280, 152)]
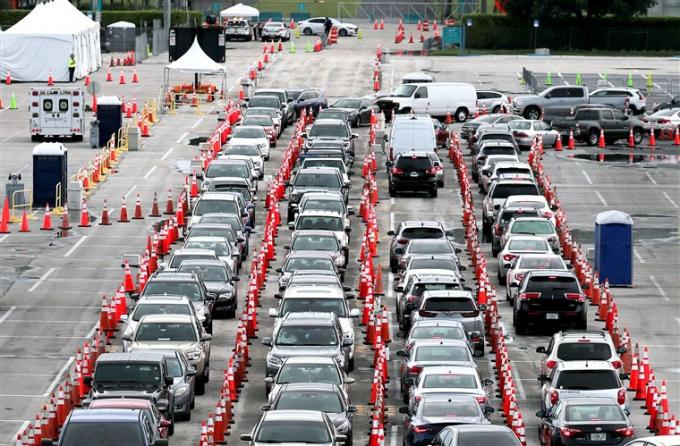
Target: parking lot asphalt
[(52, 286)]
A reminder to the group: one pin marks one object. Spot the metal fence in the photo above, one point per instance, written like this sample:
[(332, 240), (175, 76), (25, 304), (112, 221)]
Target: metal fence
[(141, 47), (409, 12)]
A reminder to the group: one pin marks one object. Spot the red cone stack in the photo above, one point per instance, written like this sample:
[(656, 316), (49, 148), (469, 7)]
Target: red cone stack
[(128, 283), (84, 216), (138, 209), (4, 219), (570, 144), (123, 218), (50, 79), (168, 205), (631, 139), (47, 220), (105, 215), (676, 137), (109, 76), (24, 223)]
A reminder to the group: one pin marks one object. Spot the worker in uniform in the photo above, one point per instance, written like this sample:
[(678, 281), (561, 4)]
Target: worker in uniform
[(71, 67)]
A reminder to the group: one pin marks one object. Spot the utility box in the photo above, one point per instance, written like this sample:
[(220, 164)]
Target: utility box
[(121, 36), (110, 117), (133, 139), (14, 190), (614, 248), (50, 174), (94, 134)]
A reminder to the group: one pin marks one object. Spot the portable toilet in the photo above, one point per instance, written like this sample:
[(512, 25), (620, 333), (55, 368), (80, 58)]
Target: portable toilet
[(614, 247), (50, 174), (121, 37), (110, 117)]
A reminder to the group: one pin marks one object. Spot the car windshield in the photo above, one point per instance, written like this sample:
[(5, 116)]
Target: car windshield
[(265, 121), (208, 273), (315, 243), (127, 372), (430, 248), (164, 331), (289, 431), (174, 367), (264, 101), (541, 263), (449, 304), (238, 170), (249, 132), (552, 284), (347, 103), (482, 438), (316, 179), (587, 380), (448, 264), (222, 249), (320, 223), (529, 245), (307, 263), (538, 227), (421, 233), (243, 150), (179, 258), (404, 91), (324, 205), (584, 351), (437, 332), (502, 191), (449, 409), (322, 401), (594, 412), (144, 308), (321, 305), (294, 335), (449, 380), (322, 374), (159, 288), (441, 353), (333, 130), (103, 433), (215, 207)]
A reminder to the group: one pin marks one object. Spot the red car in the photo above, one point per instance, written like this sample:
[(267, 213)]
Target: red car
[(165, 427), (267, 123), (441, 132)]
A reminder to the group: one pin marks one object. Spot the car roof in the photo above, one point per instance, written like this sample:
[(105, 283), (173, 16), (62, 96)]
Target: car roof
[(549, 272), (227, 161), (293, 415), (318, 170), (330, 121), (582, 334), (104, 415), (446, 369), (136, 356), (540, 198), (167, 318), (309, 318), (314, 232), (227, 180), (194, 251), (310, 254), (310, 360), (421, 223), (305, 291), (219, 196), (311, 387), (163, 299), (205, 238), (323, 195), (174, 276), (448, 293), (120, 403), (443, 342), (584, 365), (437, 323), (515, 164), (319, 212), (530, 238), (518, 180), (413, 154), (437, 278)]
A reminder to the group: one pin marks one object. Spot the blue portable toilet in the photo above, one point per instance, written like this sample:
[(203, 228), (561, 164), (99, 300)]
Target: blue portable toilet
[(50, 175), (614, 247)]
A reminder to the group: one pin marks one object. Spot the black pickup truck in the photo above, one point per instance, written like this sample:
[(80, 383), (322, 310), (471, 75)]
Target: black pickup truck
[(587, 123)]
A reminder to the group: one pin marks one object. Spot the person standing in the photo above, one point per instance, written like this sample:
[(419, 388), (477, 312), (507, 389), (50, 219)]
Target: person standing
[(327, 25), (71, 67)]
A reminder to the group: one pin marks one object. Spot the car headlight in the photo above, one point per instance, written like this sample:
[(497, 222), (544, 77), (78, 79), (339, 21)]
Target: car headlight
[(181, 391), (274, 361), (194, 355)]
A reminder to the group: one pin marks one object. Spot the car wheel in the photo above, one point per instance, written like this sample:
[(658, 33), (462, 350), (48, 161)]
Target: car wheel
[(582, 324), (434, 192), (494, 249), (200, 386), (393, 193), (393, 266), (307, 31), (231, 314), (593, 137), (637, 136), (519, 323), (486, 231), (404, 396), (350, 439), (461, 114), (193, 400), (342, 33), (77, 138), (532, 113), (496, 109), (501, 278), (350, 364), (171, 429)]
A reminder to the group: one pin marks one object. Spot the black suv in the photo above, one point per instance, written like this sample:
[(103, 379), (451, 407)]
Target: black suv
[(314, 179), (140, 374), (412, 171), (549, 296)]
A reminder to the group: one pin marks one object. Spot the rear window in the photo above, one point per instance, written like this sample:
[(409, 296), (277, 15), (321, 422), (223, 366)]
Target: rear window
[(264, 101), (165, 332), (113, 433), (420, 288), (509, 215), (449, 409), (541, 263), (430, 248), (144, 308), (317, 180), (451, 304), (159, 288), (408, 162), (503, 438), (227, 170), (498, 137), (587, 380), (441, 353), (332, 130), (594, 412), (532, 245), (448, 264), (505, 190), (533, 227), (437, 332), (511, 170), (550, 284), (422, 232), (216, 207), (306, 264), (582, 351), (449, 380)]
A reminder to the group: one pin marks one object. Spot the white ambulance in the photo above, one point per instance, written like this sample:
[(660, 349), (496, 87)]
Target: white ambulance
[(56, 112)]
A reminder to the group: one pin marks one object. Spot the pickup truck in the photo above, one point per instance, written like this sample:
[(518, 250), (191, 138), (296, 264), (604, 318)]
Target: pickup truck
[(587, 122), (559, 101)]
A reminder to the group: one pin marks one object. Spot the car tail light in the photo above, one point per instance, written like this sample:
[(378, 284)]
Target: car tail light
[(415, 369), (402, 241), (410, 298), (550, 364), (508, 257), (431, 171), (439, 168), (548, 214), (641, 96), (425, 313), (664, 121), (617, 364), (625, 431), (481, 399), (397, 171), (530, 295), (621, 396), (574, 296), (569, 432), (554, 397), (521, 134), (519, 277), (417, 398), (76, 93), (419, 429)]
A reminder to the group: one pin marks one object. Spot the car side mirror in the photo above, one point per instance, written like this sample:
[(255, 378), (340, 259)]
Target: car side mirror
[(246, 437), (349, 380), (488, 410), (462, 268), (350, 209), (488, 382), (88, 381), (127, 337), (348, 229), (399, 289), (624, 376), (540, 349), (303, 134), (355, 136), (267, 341), (124, 317), (289, 100), (350, 296), (266, 407), (401, 353), (482, 307), (543, 378), (341, 270), (291, 226), (621, 350), (341, 438), (269, 380), (354, 312), (540, 414), (585, 286), (404, 410), (570, 266), (385, 138), (351, 408), (235, 279), (627, 412), (278, 295), (554, 207), (347, 342), (279, 270), (169, 380), (389, 163), (206, 337), (191, 372), (273, 312), (409, 381), (391, 233)]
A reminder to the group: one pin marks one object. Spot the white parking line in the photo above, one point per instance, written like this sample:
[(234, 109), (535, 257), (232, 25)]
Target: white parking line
[(7, 314), (651, 179), (658, 287), (393, 435), (677, 319), (56, 379), (74, 247), (638, 256), (197, 123), (2, 239), (599, 195), (520, 388), (668, 197), (390, 285), (391, 221), (41, 280), (587, 177), (127, 194), (148, 174), (179, 140), (167, 153)]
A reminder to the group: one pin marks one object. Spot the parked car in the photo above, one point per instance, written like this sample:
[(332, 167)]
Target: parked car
[(413, 172), (526, 130), (594, 345), (411, 230), (637, 103), (410, 133), (525, 262), (267, 123), (317, 240), (331, 130), (358, 109), (536, 226), (308, 369), (449, 380), (147, 406), (663, 122), (307, 261), (492, 101), (465, 434), (311, 100), (587, 124), (315, 25), (470, 127), (275, 31), (674, 102), (218, 280), (436, 98), (557, 102), (286, 109), (291, 427), (238, 29)]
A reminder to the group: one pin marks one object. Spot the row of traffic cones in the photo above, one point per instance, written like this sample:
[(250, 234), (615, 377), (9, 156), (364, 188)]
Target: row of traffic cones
[(121, 78)]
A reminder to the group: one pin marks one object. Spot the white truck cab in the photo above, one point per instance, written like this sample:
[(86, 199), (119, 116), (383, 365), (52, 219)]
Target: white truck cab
[(56, 112)]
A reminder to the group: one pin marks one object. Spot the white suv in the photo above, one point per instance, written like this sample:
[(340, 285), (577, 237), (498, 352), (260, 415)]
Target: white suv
[(590, 345)]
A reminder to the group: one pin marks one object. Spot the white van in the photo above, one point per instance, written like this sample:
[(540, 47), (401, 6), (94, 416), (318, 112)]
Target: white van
[(437, 99), (411, 133), (56, 112)]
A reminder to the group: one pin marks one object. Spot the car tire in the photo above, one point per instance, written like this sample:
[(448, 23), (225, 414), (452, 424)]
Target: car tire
[(519, 323), (231, 314), (532, 113), (404, 397), (494, 249), (501, 278), (342, 33), (434, 192), (350, 364), (593, 137), (393, 193), (307, 31), (393, 265), (461, 114), (486, 231), (496, 109), (171, 429), (581, 324), (200, 386), (350, 439), (637, 135), (193, 400), (77, 138)]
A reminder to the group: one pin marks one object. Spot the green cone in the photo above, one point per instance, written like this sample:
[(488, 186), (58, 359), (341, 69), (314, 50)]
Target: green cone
[(548, 79), (579, 81), (629, 82), (291, 48), (13, 102)]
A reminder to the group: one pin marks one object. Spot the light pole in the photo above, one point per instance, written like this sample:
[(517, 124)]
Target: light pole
[(463, 39), (536, 25)]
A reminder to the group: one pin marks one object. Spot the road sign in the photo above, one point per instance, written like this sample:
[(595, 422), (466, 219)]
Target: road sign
[(301, 6), (451, 36)]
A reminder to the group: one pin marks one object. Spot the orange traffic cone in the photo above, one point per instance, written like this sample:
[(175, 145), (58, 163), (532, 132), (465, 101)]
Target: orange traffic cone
[(382, 23), (631, 139), (155, 212), (375, 24), (676, 137), (109, 76), (558, 144), (105, 215), (138, 209), (84, 216), (50, 80), (410, 38), (376, 84), (8, 79), (47, 220), (24, 222), (135, 77), (87, 80), (128, 283), (601, 143), (570, 144), (121, 79), (169, 205), (193, 193), (65, 225), (448, 119), (4, 219), (123, 218), (652, 139)]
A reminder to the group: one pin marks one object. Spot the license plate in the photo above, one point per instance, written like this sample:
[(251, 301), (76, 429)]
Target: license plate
[(414, 174), (598, 437), (552, 316)]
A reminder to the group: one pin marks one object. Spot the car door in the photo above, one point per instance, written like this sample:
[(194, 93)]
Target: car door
[(548, 423), (607, 122), (365, 108), (421, 101), (575, 96), (317, 25), (556, 101), (620, 123)]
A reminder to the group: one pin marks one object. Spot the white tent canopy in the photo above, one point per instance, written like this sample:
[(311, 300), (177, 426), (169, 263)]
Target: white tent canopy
[(41, 42), (197, 62), (121, 24), (240, 10)]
